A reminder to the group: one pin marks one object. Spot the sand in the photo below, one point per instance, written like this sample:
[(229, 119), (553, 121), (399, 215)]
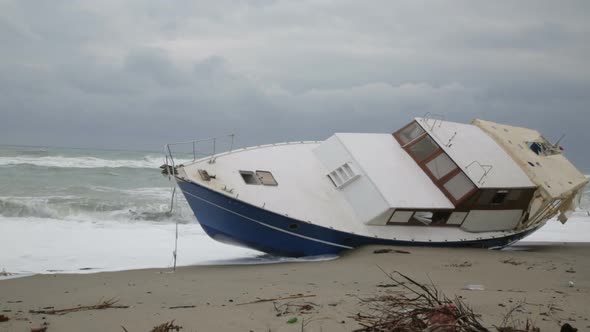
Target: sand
[(538, 276)]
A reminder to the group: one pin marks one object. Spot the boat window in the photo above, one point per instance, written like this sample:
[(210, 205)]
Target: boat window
[(400, 216), (343, 175), (424, 148), (441, 166), (458, 186), (514, 195), (423, 217), (500, 197), (486, 197), (432, 218), (266, 178), (249, 177), (410, 132)]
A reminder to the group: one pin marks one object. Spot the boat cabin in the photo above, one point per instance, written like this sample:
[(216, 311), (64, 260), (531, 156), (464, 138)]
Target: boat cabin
[(430, 173)]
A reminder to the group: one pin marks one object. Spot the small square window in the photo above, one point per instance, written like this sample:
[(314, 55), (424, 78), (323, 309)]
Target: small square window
[(249, 177), (343, 175), (266, 178)]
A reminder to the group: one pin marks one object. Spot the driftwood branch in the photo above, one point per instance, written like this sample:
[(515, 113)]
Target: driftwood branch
[(182, 306), (298, 296), (108, 304), (423, 307)]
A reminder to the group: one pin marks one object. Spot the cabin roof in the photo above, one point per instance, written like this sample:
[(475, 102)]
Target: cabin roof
[(474, 152), (400, 180)]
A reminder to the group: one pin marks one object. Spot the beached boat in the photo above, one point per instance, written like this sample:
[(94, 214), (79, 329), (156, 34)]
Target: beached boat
[(430, 183)]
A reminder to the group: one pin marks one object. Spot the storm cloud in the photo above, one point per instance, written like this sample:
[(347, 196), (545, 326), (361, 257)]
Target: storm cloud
[(138, 74)]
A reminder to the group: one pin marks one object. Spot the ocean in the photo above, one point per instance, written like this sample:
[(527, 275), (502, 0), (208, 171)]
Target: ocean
[(82, 210)]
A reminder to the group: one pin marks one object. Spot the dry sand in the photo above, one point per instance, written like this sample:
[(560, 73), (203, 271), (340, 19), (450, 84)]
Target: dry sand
[(538, 276)]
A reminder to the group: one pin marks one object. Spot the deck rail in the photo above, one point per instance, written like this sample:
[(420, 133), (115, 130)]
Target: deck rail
[(198, 149)]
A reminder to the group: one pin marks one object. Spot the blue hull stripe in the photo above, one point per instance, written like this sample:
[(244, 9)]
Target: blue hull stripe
[(227, 219), (266, 225)]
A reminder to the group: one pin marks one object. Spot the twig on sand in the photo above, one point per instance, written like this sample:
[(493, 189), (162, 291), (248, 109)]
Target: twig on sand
[(297, 296), (107, 304), (182, 306), (166, 327)]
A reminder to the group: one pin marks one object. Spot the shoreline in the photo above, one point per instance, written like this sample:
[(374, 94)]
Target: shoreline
[(216, 297)]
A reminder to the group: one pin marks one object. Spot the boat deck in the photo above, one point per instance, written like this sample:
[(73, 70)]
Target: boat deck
[(305, 193)]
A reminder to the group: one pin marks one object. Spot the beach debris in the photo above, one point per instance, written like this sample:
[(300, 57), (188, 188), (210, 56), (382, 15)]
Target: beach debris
[(182, 306), (512, 261), (568, 328), (39, 329), (570, 270), (291, 308), (387, 285), (292, 320), (570, 283), (166, 327), (423, 307), (474, 287), (510, 323), (464, 264), (389, 250), (4, 318), (295, 296), (107, 304)]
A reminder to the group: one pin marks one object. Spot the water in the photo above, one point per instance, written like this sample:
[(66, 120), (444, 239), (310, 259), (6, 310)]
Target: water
[(73, 210), (83, 210)]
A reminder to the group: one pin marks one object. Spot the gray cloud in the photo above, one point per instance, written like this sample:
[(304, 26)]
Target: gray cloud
[(137, 74)]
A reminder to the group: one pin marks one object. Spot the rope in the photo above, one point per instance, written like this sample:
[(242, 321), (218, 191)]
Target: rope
[(175, 252)]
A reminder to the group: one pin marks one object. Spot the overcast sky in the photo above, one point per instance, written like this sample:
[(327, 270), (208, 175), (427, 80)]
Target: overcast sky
[(140, 73)]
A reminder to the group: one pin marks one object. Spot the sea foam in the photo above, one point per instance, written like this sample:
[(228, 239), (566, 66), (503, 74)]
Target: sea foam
[(82, 162)]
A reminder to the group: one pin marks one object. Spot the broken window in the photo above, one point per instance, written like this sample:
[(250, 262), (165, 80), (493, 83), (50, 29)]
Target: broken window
[(499, 197), (432, 218)]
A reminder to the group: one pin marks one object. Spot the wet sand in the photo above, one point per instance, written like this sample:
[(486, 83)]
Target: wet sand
[(552, 281)]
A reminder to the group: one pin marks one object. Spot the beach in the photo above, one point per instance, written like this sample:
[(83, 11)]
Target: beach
[(550, 280)]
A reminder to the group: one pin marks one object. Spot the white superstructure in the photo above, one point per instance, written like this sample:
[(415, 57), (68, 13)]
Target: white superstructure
[(430, 181)]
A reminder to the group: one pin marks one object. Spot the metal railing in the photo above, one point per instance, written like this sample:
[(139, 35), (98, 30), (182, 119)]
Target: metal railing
[(199, 149), (435, 117), (486, 169)]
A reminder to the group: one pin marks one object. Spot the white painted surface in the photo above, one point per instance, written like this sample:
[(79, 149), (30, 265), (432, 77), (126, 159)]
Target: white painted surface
[(305, 193), (361, 194), (468, 145), (400, 180), (491, 220), (557, 176)]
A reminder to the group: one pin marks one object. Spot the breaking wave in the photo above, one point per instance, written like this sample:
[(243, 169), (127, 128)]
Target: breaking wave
[(82, 162), (90, 209)]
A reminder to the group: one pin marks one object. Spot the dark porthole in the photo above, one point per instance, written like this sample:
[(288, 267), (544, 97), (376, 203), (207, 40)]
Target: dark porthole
[(293, 226)]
